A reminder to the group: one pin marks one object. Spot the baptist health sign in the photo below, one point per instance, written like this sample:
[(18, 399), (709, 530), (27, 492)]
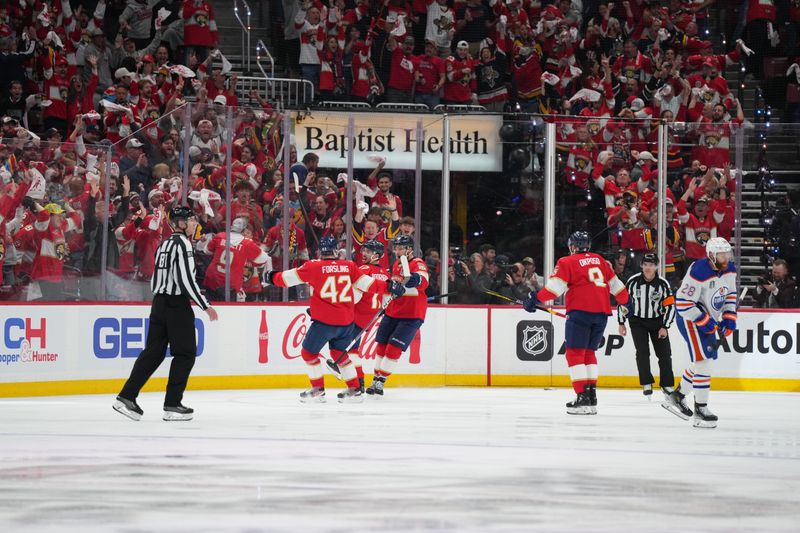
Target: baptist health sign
[(474, 140)]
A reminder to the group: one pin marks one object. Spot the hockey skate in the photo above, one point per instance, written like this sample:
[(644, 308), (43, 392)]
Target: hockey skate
[(177, 412), (703, 418), (591, 391), (128, 408), (581, 405), (334, 368), (647, 390), (376, 388), (313, 395), (350, 396), (361, 384), (675, 403)]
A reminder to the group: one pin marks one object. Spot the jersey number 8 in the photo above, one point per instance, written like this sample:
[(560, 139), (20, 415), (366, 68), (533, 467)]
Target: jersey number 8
[(337, 289), (596, 276)]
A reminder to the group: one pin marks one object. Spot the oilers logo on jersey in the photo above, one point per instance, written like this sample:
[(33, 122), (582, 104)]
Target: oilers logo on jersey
[(718, 298)]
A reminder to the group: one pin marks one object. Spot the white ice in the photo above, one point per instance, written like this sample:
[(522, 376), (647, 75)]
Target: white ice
[(455, 459)]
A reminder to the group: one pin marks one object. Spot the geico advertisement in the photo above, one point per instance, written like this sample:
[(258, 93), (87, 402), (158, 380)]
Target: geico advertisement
[(95, 342), (764, 345), (474, 141)]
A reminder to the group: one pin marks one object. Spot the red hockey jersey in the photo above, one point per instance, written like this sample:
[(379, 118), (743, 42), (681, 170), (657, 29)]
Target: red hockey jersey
[(369, 304), (414, 303), (588, 280), (242, 250), (333, 283)]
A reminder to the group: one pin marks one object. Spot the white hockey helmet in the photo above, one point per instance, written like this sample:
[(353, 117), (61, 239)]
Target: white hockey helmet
[(717, 246)]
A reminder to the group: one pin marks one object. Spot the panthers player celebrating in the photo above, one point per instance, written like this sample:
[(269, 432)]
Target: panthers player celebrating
[(404, 314), (706, 305)]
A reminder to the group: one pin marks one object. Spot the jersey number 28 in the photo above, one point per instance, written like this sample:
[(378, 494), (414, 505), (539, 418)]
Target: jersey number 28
[(337, 289)]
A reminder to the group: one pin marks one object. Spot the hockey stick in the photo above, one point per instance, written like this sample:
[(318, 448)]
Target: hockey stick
[(519, 302), (443, 295)]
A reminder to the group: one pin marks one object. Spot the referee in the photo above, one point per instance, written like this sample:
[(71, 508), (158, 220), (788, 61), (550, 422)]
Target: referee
[(171, 322), (651, 311)]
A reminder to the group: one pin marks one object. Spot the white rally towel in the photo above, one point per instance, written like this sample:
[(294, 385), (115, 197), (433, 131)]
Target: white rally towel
[(38, 184)]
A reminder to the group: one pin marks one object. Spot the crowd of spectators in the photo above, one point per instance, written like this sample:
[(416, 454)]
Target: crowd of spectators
[(95, 128)]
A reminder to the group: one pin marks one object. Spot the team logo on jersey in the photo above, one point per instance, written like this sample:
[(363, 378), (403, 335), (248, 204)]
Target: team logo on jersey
[(718, 299), (534, 340)]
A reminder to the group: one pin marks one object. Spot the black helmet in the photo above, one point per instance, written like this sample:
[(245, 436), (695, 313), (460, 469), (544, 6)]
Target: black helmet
[(180, 212), (403, 240), (328, 245), (579, 241), (375, 246), (651, 257)]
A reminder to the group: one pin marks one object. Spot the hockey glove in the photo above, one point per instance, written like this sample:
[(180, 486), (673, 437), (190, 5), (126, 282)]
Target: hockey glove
[(530, 303), (396, 289), (728, 324), (270, 277), (709, 327), (413, 280), (626, 309)]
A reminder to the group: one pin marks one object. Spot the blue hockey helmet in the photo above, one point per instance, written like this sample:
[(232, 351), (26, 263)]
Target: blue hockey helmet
[(579, 241), (328, 245)]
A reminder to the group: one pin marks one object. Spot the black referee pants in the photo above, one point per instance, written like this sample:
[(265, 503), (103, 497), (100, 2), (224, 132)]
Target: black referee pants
[(644, 330), (171, 322)]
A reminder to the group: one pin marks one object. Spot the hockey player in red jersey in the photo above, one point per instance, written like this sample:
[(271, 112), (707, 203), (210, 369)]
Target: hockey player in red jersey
[(333, 282), (404, 314), (588, 280), (367, 305)]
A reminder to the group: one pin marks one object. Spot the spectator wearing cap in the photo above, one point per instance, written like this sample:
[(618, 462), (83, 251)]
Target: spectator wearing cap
[(400, 87), (533, 280), (56, 89), (50, 229), (135, 165), (243, 206), (13, 103), (108, 60), (473, 22), (429, 76), (460, 81), (200, 33), (441, 27), (204, 137)]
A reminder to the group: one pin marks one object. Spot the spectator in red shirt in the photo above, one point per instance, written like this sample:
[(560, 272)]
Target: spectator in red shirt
[(401, 72), (429, 76)]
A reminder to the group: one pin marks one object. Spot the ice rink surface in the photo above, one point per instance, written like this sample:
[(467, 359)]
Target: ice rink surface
[(454, 459)]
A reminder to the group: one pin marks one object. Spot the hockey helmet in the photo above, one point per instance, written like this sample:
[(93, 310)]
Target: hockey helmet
[(328, 245), (717, 246), (579, 241), (651, 258), (180, 212), (403, 240), (374, 246)]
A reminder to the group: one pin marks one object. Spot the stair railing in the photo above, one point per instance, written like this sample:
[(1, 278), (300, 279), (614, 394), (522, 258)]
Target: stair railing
[(263, 52), (245, 29)]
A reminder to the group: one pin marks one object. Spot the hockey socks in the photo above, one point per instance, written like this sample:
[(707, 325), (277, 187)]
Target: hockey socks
[(314, 369), (349, 374), (577, 369)]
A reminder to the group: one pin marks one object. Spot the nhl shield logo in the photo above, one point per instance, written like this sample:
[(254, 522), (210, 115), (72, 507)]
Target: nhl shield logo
[(534, 340)]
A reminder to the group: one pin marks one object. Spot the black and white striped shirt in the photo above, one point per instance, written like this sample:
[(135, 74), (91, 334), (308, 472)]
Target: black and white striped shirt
[(174, 273), (650, 299)]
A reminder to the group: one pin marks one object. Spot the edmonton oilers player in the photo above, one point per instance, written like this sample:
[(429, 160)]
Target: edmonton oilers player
[(706, 305), (588, 280), (333, 282)]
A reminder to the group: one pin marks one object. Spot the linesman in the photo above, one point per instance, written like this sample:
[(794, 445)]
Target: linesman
[(651, 312), (171, 322)]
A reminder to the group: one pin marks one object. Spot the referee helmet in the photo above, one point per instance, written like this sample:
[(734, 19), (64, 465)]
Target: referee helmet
[(650, 258), (180, 212)]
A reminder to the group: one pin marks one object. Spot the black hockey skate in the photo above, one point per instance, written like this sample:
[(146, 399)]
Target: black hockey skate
[(581, 405), (703, 418), (647, 390), (361, 384), (675, 403), (591, 391), (350, 396), (313, 395), (128, 408), (376, 388), (177, 412)]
